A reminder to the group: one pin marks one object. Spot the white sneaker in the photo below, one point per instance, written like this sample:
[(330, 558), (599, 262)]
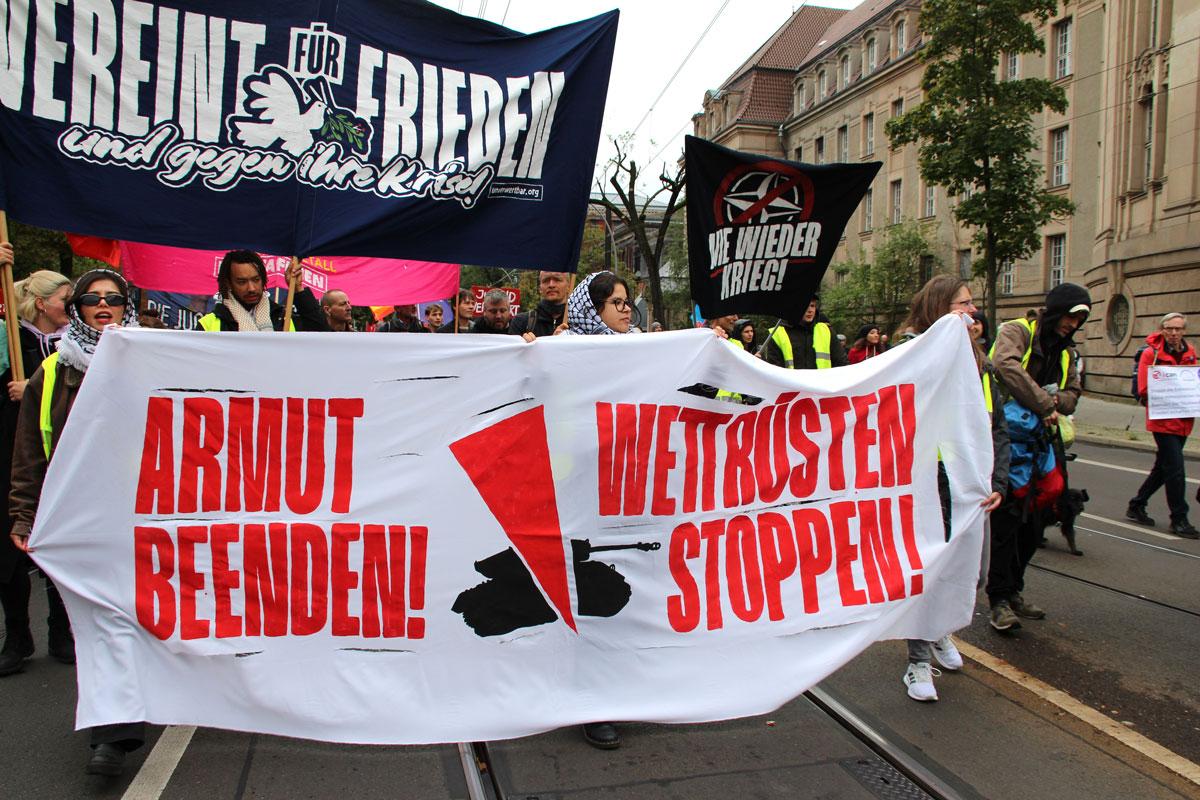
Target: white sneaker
[(947, 654), (919, 680)]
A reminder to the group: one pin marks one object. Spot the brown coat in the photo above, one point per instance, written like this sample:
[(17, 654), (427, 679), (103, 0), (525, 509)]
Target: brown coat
[(29, 454), (1012, 340)]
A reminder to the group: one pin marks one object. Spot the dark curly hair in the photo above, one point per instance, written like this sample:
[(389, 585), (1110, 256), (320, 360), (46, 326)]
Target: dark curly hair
[(224, 282)]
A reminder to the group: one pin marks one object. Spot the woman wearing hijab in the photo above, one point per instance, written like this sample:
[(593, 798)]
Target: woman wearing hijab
[(598, 306), (101, 298), (867, 345), (41, 306), (946, 294), (743, 334)]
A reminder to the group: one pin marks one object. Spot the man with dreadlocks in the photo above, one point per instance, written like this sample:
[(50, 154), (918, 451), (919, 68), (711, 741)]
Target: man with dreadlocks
[(244, 304)]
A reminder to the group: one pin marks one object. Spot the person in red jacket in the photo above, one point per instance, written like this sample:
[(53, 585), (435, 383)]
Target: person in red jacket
[(1166, 348)]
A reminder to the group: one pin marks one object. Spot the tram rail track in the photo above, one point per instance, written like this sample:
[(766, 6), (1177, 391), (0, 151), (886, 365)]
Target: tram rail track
[(1114, 590)]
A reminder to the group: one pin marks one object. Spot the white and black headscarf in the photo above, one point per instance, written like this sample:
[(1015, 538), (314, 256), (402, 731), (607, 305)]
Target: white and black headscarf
[(582, 317), (78, 344)]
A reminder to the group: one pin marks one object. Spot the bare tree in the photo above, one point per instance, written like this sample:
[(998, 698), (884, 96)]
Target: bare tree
[(622, 175)]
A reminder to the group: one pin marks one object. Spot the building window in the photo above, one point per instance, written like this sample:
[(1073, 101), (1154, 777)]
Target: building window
[(843, 144), (1056, 251), (1007, 274), (820, 154), (1062, 49), (868, 134), (823, 83), (1148, 136), (1058, 157), (964, 264), (802, 94), (800, 153), (872, 55), (1117, 326), (897, 107), (930, 201), (868, 210), (1154, 23), (896, 198), (901, 37), (845, 71), (1012, 66), (926, 268)]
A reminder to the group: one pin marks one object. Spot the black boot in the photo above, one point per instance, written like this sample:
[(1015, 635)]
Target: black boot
[(107, 759), (18, 647), (1137, 513), (602, 735), (62, 641)]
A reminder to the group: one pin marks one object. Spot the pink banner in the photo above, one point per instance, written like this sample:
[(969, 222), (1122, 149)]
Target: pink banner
[(367, 281)]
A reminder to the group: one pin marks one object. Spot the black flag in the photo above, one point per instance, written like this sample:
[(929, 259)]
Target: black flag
[(761, 230)]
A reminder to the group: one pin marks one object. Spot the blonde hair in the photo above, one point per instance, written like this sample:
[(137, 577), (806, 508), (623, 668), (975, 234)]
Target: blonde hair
[(41, 284)]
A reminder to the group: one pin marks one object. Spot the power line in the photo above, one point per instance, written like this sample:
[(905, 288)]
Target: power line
[(506, 8), (682, 64)]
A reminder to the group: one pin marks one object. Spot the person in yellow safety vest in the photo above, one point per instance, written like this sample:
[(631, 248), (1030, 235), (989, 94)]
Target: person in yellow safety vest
[(100, 298), (1037, 363), (245, 304), (807, 343)]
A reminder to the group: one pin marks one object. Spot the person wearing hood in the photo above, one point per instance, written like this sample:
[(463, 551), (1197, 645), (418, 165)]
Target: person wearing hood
[(41, 305), (100, 299), (1166, 348), (244, 304), (807, 343), (1037, 363), (867, 345), (548, 314), (743, 335)]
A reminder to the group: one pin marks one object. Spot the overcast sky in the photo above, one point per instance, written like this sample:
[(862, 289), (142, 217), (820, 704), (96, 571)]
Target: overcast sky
[(653, 38)]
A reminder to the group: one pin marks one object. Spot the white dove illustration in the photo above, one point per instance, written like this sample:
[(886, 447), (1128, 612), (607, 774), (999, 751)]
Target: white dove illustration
[(284, 114)]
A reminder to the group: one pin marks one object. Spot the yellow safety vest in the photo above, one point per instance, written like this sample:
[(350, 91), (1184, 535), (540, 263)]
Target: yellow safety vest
[(822, 338), (212, 324), (1032, 328), (49, 377), (725, 394)]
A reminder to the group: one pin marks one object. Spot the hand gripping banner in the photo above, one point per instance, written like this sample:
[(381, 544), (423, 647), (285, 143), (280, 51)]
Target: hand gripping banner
[(762, 231), (372, 128), (471, 537)]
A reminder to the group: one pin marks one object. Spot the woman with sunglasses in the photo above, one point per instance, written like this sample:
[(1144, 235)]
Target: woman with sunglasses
[(101, 298), (41, 306), (599, 305), (942, 295)]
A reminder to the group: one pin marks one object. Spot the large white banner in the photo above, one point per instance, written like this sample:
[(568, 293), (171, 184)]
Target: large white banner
[(415, 539)]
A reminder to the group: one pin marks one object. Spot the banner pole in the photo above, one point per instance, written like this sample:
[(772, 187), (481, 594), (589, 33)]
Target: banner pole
[(10, 309), (774, 328), (291, 295), (566, 304)]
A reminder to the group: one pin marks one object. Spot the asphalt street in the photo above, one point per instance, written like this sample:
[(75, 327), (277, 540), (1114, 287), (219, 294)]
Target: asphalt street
[(1121, 636)]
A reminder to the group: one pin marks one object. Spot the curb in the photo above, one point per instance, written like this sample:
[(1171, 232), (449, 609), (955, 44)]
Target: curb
[(1189, 450)]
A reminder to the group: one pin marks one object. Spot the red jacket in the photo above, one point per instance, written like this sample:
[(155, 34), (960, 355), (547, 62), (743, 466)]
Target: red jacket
[(1157, 354)]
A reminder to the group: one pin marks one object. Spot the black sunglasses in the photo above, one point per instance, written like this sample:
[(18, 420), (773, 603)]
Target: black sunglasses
[(93, 299)]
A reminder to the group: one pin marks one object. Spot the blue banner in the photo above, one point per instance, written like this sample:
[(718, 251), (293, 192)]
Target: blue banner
[(178, 311), (381, 128)]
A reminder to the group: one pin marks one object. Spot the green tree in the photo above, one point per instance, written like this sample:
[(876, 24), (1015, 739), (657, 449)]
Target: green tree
[(39, 248), (976, 131), (880, 290)]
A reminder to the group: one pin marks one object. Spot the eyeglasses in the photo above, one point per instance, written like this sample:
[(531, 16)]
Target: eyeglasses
[(621, 303), (963, 303), (93, 299)]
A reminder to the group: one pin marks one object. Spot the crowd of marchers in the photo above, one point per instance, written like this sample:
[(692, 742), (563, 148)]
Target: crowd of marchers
[(1029, 376)]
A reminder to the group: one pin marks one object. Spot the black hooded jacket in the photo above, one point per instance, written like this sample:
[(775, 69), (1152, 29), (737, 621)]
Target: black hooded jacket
[(541, 321)]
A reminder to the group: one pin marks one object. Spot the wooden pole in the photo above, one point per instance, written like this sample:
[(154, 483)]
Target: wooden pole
[(10, 310), (566, 302), (291, 295)]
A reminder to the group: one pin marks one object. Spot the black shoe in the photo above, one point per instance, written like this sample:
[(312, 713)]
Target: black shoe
[(1023, 609), (18, 647), (1138, 514), (107, 759), (602, 735), (1184, 528), (61, 646)]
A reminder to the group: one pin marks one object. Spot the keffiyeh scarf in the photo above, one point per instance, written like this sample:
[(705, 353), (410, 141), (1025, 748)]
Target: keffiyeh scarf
[(257, 319), (78, 344), (582, 317)]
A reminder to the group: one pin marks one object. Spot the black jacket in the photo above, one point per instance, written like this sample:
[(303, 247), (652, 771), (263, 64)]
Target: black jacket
[(394, 324), (481, 326), (801, 336), (306, 315), (542, 321)]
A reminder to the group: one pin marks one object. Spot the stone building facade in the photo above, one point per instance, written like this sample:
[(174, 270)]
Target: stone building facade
[(1126, 152)]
